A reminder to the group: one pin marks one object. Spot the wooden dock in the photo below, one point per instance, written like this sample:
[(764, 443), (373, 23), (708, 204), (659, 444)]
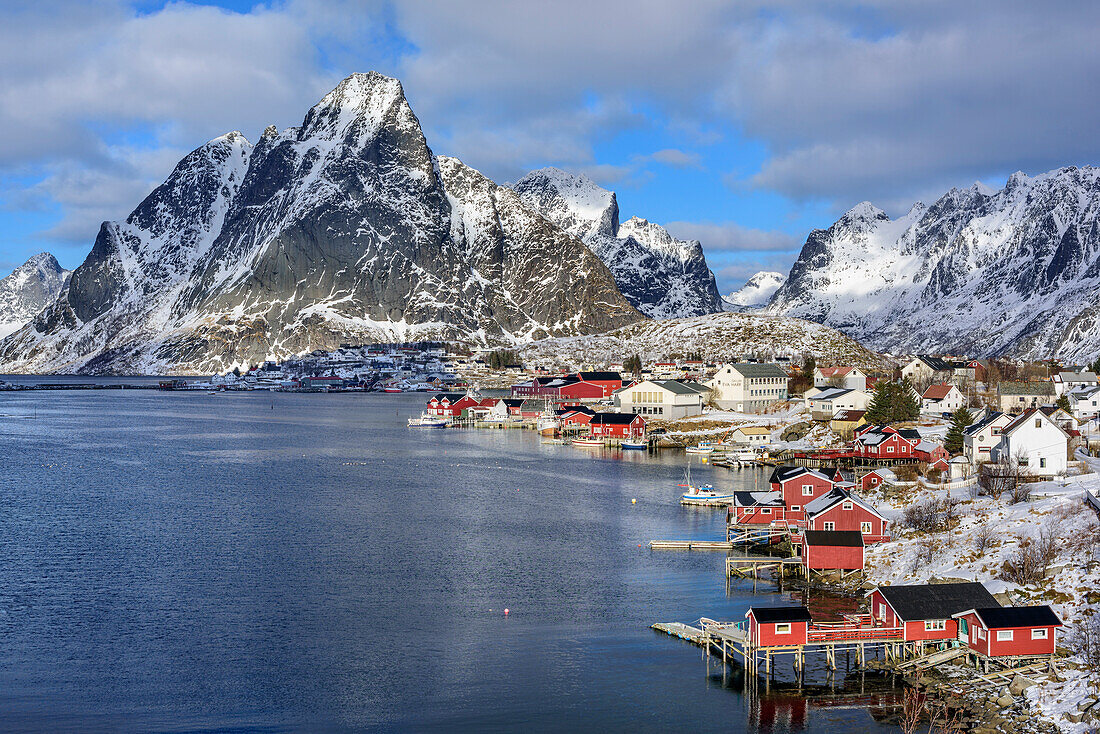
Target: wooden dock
[(718, 545)]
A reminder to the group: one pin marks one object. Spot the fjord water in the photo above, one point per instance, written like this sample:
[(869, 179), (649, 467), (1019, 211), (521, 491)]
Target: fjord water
[(254, 561)]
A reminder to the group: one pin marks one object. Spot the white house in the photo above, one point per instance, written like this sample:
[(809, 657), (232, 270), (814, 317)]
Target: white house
[(1015, 397), (924, 368), (941, 399), (850, 377), (1066, 381), (748, 387), (825, 404), (751, 435), (979, 438), (1084, 402), (668, 399), (1036, 442)]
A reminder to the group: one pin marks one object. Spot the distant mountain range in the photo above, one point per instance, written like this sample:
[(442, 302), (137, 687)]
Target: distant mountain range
[(756, 292), (980, 272), (28, 289), (348, 228)]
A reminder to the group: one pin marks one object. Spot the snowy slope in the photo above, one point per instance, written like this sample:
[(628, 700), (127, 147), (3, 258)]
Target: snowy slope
[(661, 276), (717, 337), (1015, 271), (28, 289), (344, 229), (756, 292)]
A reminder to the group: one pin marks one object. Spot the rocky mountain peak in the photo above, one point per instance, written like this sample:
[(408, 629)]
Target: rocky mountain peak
[(28, 289), (756, 291), (572, 201)]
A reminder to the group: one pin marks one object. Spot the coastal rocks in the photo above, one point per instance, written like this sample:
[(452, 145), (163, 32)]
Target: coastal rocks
[(1019, 685)]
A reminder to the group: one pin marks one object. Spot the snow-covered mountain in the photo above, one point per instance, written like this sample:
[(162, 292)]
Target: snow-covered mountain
[(344, 229), (28, 289), (663, 277), (756, 292), (716, 337), (981, 272)]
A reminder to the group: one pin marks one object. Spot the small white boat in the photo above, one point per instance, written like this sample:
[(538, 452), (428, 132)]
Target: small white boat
[(634, 445), (704, 495), (428, 421), (703, 448), (588, 442)]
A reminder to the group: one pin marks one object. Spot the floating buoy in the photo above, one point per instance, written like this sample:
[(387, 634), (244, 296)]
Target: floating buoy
[(634, 501), (505, 612)]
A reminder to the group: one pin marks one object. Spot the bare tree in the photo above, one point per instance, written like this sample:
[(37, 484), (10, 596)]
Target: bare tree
[(983, 537)]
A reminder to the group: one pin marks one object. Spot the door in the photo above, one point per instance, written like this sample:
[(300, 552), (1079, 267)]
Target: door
[(963, 633)]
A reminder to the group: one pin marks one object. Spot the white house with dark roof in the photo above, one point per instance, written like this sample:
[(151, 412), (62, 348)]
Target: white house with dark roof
[(749, 387), (1014, 397), (1084, 402), (827, 402), (1035, 442), (980, 437)]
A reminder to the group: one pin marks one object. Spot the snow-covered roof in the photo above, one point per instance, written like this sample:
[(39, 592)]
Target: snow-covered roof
[(831, 393), (834, 496), (757, 499)]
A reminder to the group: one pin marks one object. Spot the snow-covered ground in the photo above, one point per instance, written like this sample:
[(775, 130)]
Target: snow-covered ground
[(1070, 586)]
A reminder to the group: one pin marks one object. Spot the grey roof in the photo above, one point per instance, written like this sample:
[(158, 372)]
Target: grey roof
[(833, 497), (782, 473), (757, 499), (832, 393), (1026, 388), (936, 363), (751, 369), (1077, 376), (768, 615), (974, 428), (1001, 617), (835, 538), (936, 601), (680, 387)]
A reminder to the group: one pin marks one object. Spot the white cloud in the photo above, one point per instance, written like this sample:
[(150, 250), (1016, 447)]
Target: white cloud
[(733, 237)]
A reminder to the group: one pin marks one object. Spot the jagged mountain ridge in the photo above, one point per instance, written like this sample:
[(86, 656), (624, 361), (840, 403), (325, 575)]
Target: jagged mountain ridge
[(981, 272), (661, 276), (756, 292), (28, 289), (346, 228)]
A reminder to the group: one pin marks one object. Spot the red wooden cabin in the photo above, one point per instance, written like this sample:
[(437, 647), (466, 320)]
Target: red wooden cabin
[(926, 611), (874, 479), (444, 405), (799, 485), (841, 509), (832, 550), (617, 425), (886, 442), (757, 508), (778, 625), (1009, 631)]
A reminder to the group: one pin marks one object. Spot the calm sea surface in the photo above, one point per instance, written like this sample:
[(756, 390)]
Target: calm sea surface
[(270, 562)]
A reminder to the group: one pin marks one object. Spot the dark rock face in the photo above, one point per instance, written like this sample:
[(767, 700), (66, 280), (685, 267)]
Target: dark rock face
[(981, 272), (346, 228)]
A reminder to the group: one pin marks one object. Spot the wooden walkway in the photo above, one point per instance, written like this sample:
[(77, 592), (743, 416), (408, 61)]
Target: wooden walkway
[(933, 659), (719, 545)]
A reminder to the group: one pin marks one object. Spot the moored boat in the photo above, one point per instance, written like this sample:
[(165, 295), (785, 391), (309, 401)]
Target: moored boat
[(588, 442), (703, 448), (704, 494), (638, 445), (428, 421)]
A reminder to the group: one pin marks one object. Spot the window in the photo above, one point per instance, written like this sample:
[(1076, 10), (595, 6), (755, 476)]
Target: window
[(766, 511), (981, 633), (847, 505), (882, 611), (935, 625), (1004, 635), (865, 528), (1038, 422), (889, 449), (830, 526), (807, 490), (783, 629), (796, 508), (1039, 634)]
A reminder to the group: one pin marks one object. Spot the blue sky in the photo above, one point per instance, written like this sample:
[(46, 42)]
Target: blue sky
[(742, 124)]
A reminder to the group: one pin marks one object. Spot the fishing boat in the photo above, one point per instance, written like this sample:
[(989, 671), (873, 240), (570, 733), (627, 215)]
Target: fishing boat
[(704, 494), (703, 448), (392, 389), (428, 421), (547, 423), (588, 442), (639, 445)]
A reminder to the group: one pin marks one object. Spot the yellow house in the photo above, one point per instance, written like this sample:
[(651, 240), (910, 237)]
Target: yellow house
[(846, 422)]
